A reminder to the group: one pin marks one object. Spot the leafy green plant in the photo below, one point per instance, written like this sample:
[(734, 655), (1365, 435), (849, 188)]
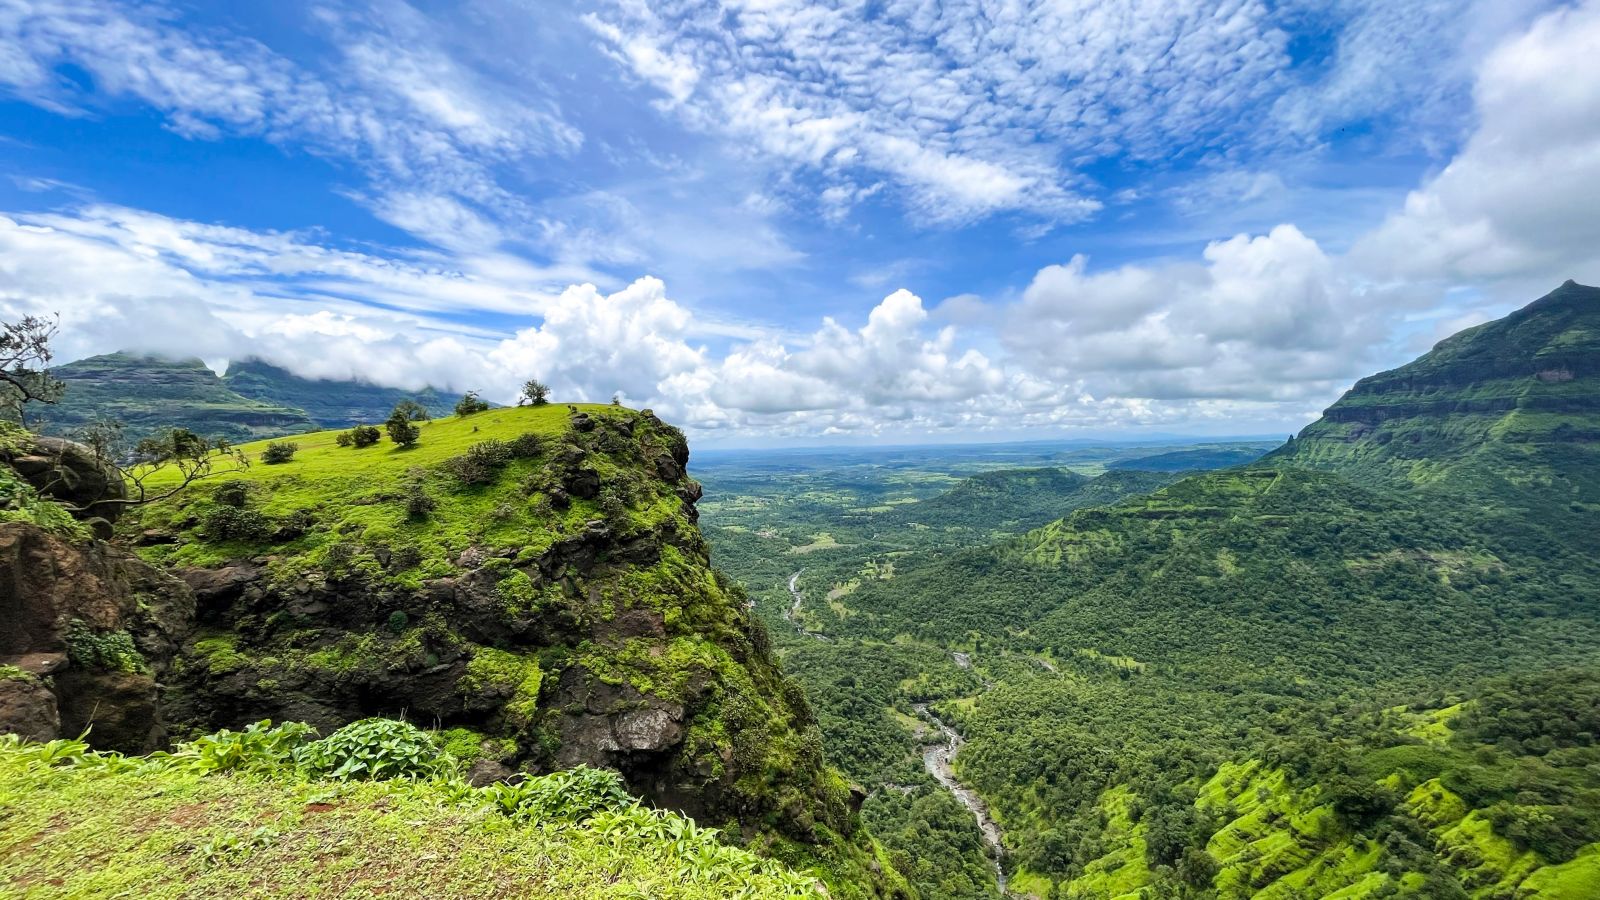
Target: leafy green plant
[(260, 747), (373, 749), (109, 651), (573, 795)]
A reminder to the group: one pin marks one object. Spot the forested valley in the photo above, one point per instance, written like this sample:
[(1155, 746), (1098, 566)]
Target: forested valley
[(1364, 665)]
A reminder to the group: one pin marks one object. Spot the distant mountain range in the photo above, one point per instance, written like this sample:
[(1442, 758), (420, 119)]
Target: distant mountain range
[(253, 400)]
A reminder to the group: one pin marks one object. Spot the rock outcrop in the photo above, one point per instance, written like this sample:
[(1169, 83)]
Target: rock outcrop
[(89, 632)]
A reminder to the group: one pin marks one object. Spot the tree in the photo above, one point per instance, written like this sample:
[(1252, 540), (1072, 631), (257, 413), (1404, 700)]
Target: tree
[(534, 393), (363, 435), (24, 366), (401, 430), (178, 450), (411, 411), (279, 452), (469, 404)]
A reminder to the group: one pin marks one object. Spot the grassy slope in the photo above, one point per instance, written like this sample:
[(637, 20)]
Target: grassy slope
[(156, 831), (341, 482)]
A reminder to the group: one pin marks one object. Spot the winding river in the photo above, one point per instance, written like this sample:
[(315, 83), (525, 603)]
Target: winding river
[(938, 759)]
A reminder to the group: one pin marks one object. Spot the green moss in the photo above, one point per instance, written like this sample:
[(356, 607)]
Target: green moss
[(517, 676)]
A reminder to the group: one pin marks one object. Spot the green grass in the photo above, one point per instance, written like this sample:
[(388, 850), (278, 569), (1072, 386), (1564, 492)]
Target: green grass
[(321, 458), (112, 827)]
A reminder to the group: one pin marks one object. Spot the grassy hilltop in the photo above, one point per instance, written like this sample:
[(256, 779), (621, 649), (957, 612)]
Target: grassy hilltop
[(528, 580)]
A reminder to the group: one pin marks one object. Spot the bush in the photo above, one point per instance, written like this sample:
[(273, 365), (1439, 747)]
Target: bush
[(525, 446), (343, 439), (279, 452), (402, 432), (259, 748), (106, 651), (236, 523), (481, 463), (418, 501), (470, 404), (372, 749), (363, 435), (232, 493)]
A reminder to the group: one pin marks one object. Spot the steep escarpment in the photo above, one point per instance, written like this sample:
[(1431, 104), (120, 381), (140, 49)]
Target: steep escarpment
[(529, 581), (148, 393), (329, 403), (1509, 403)]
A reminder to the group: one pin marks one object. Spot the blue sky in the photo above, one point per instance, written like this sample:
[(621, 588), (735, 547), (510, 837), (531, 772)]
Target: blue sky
[(775, 220)]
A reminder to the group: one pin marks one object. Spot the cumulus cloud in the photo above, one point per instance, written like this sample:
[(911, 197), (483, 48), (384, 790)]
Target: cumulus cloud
[(1518, 201)]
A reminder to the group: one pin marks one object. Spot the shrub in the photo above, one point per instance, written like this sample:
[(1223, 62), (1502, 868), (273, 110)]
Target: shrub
[(364, 435), (470, 404), (261, 747), (106, 651), (279, 452), (418, 501), (481, 463), (236, 523), (372, 749), (344, 439), (401, 431), (232, 493), (525, 446)]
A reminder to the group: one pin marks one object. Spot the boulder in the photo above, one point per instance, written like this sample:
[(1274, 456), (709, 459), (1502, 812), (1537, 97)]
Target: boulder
[(71, 473), (28, 706)]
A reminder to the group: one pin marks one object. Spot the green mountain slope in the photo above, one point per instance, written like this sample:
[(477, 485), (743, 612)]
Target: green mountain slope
[(1192, 460), (1507, 411), (147, 394), (330, 404), (1010, 500)]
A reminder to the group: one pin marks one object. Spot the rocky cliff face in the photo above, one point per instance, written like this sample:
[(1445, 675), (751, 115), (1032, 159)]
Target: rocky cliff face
[(89, 633)]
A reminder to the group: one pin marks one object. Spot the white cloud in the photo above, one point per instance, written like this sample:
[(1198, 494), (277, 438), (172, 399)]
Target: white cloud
[(414, 121), (1519, 201)]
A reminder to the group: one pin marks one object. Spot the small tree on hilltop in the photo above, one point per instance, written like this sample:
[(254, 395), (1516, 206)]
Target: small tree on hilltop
[(469, 404), (24, 366), (411, 411), (402, 430), (534, 393)]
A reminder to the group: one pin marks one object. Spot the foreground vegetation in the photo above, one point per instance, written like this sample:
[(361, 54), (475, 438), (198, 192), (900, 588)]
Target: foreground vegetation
[(268, 812)]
